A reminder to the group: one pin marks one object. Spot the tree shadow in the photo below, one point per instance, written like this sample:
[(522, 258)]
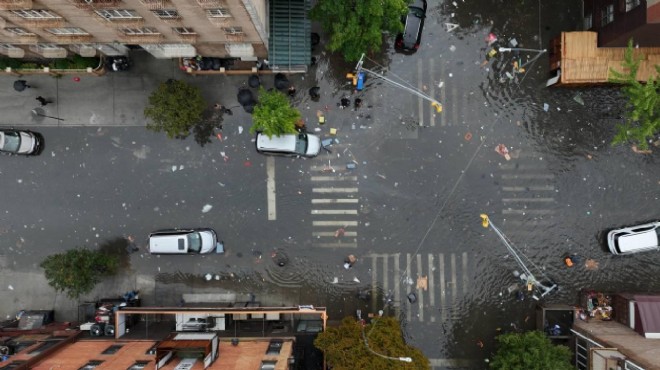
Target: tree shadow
[(121, 248), (206, 128)]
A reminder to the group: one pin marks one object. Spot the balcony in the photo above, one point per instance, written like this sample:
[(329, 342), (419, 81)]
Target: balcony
[(72, 39), (15, 4), (120, 22), (137, 39), (20, 36), (38, 22), (94, 4)]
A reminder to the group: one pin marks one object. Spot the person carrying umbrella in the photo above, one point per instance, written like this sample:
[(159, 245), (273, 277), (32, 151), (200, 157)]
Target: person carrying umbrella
[(20, 85)]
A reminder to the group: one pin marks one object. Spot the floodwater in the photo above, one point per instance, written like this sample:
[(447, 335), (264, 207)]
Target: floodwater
[(422, 180)]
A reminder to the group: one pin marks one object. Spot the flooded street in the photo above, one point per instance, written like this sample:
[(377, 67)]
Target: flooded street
[(410, 208)]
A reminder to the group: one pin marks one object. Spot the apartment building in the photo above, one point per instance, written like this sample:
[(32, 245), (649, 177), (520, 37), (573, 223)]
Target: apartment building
[(242, 29), (616, 21)]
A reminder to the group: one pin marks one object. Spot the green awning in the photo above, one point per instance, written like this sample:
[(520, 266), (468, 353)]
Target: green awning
[(290, 35)]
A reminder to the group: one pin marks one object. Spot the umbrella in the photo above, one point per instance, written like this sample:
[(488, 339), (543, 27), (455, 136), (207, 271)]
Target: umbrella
[(314, 92), (249, 108), (281, 82), (253, 81), (20, 85), (245, 97)]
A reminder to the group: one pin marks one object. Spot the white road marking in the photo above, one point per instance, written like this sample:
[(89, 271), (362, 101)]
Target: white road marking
[(465, 272), (431, 286), (530, 188), (420, 292), (528, 200), (420, 86), (270, 186), (513, 176), (333, 233), (432, 111), (335, 190), (335, 223), (334, 178), (330, 201), (443, 287), (336, 245), (334, 212)]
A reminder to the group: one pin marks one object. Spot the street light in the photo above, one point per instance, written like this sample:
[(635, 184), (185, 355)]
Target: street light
[(366, 343)]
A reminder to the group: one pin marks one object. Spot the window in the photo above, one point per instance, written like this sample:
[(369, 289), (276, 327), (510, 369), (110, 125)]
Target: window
[(111, 14), (268, 365), (631, 4), (139, 365), (184, 31), (588, 21), (139, 31), (92, 364), (19, 31), (218, 13), (274, 347), (166, 13), (112, 349), (607, 15), (233, 30), (36, 14), (66, 31)]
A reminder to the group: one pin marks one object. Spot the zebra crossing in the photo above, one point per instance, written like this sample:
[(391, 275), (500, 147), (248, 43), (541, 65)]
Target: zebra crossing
[(528, 189), (335, 203), (446, 277)]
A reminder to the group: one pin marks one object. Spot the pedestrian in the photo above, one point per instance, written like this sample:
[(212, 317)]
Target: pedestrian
[(344, 102), (358, 103), (24, 83), (314, 92), (42, 100), (292, 91)]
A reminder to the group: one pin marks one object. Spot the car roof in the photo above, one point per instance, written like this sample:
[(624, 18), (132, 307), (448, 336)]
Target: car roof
[(285, 142), (633, 242)]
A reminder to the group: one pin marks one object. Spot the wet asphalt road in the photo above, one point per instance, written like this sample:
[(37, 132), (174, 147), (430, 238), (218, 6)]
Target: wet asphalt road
[(420, 183)]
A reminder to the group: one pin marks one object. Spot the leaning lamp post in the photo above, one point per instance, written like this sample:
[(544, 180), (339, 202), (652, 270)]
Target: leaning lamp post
[(366, 343)]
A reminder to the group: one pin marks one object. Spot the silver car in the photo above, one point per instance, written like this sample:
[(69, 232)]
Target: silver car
[(292, 145), (634, 239), (20, 142), (184, 241)]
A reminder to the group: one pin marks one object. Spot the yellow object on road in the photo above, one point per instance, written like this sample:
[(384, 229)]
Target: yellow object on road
[(484, 220), (437, 106)]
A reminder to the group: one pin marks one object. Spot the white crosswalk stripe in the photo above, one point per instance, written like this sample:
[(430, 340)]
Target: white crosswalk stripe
[(528, 190), (335, 204), (446, 275)]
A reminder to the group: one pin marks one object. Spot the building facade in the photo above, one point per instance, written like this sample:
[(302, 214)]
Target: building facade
[(164, 28), (617, 21)]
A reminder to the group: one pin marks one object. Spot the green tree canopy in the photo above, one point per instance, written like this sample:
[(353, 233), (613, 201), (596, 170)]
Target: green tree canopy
[(345, 349), (356, 26), (175, 107), (77, 271), (643, 114), (273, 114), (530, 351)]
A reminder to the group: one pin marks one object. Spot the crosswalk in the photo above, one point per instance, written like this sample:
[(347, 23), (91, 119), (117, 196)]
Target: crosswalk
[(335, 203), (438, 281), (528, 189)]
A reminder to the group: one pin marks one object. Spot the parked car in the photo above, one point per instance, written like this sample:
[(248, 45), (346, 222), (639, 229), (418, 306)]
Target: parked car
[(301, 144), (184, 241), (634, 239), (20, 142), (413, 24)]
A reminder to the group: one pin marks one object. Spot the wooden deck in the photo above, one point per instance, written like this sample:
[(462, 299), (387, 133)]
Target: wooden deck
[(582, 62)]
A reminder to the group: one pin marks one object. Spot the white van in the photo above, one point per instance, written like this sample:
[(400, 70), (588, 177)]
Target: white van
[(634, 239), (186, 241)]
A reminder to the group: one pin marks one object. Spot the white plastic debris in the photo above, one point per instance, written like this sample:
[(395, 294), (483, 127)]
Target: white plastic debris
[(546, 107), (356, 280), (174, 168), (441, 84), (335, 280), (452, 48), (240, 130), (208, 277), (10, 287), (206, 208)]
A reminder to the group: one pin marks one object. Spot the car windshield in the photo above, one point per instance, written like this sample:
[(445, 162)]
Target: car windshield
[(418, 12), (12, 141), (301, 144), (194, 242)]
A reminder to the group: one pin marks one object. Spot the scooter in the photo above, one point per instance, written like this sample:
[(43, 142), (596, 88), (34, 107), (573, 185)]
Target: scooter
[(117, 64)]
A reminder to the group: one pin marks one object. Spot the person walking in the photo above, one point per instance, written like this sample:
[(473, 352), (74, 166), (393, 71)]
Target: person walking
[(42, 100)]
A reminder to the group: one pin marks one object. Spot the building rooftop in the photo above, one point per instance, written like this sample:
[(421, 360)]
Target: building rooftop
[(611, 334)]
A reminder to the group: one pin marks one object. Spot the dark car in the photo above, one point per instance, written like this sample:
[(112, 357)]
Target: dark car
[(20, 142), (413, 23)]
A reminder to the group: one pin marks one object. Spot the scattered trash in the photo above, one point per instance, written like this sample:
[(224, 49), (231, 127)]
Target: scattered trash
[(591, 264), (174, 168), (335, 280), (10, 287), (502, 150), (349, 261), (409, 280), (206, 208), (491, 39), (452, 48), (423, 283), (640, 151), (513, 42), (492, 53), (327, 142), (240, 130), (333, 131), (468, 136), (219, 136), (208, 277), (451, 26), (480, 344), (546, 107), (356, 280), (351, 166), (340, 232), (412, 297), (381, 176), (441, 84)]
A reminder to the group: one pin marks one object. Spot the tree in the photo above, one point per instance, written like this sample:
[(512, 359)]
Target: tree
[(77, 271), (643, 114), (273, 114), (356, 26), (345, 348), (175, 107), (530, 351)]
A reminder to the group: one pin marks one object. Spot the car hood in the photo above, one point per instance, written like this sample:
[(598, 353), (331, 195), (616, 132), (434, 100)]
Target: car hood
[(28, 143), (313, 145), (209, 241)]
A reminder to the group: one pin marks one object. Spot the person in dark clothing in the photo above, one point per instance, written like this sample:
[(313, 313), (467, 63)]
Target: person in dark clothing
[(42, 100)]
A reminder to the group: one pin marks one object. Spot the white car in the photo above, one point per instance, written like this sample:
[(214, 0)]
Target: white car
[(292, 145), (20, 142), (184, 241), (634, 239)]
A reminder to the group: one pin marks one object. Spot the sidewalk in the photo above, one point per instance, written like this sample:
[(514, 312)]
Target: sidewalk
[(114, 99)]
